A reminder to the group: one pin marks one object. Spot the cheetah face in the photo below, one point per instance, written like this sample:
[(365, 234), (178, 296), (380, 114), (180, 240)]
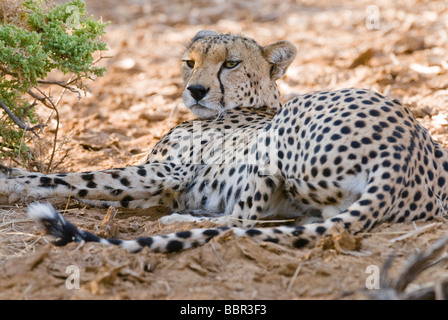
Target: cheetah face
[(224, 71)]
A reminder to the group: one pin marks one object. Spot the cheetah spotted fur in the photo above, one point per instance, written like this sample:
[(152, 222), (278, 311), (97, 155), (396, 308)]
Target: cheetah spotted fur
[(350, 157)]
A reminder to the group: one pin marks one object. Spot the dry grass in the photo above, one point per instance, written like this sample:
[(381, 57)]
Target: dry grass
[(15, 237)]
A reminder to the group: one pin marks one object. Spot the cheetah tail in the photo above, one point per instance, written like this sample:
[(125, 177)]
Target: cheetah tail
[(54, 224), (65, 232)]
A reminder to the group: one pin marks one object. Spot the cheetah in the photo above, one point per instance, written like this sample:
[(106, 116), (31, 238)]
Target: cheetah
[(349, 157)]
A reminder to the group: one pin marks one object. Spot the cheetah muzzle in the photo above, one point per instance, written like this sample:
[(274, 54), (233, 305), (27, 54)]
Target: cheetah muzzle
[(351, 157)]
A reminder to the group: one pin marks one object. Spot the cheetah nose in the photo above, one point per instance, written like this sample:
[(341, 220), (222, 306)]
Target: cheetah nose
[(198, 91)]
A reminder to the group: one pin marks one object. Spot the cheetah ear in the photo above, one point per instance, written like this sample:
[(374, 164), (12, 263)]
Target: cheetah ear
[(280, 55), (203, 34)]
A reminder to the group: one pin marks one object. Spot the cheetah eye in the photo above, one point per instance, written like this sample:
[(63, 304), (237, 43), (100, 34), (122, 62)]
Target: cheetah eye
[(231, 64), (190, 63)]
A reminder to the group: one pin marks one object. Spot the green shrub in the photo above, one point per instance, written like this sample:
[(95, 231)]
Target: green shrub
[(37, 37)]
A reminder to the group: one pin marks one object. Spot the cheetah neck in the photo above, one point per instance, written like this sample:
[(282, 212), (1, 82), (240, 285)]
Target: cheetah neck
[(272, 97)]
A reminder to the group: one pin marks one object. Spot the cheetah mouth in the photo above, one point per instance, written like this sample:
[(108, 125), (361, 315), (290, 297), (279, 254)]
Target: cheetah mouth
[(203, 111)]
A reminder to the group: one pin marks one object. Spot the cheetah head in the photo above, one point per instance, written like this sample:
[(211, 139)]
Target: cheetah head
[(224, 71)]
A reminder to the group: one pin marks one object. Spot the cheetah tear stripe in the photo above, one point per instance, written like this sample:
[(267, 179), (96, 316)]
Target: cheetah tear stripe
[(65, 232)]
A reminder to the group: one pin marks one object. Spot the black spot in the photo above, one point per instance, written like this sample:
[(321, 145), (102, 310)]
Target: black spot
[(438, 154), (355, 144), (335, 137), (45, 182), (270, 183), (88, 177), (355, 213), (184, 234), (141, 172), (82, 193), (222, 186), (91, 185), (374, 113), (249, 202), (253, 232), (229, 192), (115, 175), (174, 246), (321, 230), (345, 130), (365, 202), (367, 224), (274, 240), (366, 140), (114, 241), (210, 233), (125, 201), (61, 182), (417, 196), (145, 241), (445, 166), (125, 182), (300, 243), (349, 99)]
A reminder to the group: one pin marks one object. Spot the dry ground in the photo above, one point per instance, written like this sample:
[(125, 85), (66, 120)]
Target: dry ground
[(127, 111)]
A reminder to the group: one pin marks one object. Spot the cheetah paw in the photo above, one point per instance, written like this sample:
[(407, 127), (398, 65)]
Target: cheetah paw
[(176, 217)]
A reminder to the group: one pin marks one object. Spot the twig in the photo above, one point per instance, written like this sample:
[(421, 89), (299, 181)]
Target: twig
[(396, 288), (420, 262), (18, 122), (6, 71), (417, 231), (216, 253), (293, 279), (61, 84), (51, 105)]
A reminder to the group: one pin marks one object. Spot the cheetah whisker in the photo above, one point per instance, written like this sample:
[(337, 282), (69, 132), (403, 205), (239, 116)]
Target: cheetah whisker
[(173, 111)]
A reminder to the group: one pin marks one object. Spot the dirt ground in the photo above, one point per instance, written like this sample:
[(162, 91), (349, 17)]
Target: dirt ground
[(398, 48)]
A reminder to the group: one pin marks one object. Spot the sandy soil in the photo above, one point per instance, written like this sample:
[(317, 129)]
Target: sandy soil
[(126, 112)]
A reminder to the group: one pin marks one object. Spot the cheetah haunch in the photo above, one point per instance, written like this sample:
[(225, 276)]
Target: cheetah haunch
[(350, 157)]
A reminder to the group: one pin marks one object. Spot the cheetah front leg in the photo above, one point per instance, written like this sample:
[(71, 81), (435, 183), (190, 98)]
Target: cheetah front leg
[(120, 186), (254, 198)]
